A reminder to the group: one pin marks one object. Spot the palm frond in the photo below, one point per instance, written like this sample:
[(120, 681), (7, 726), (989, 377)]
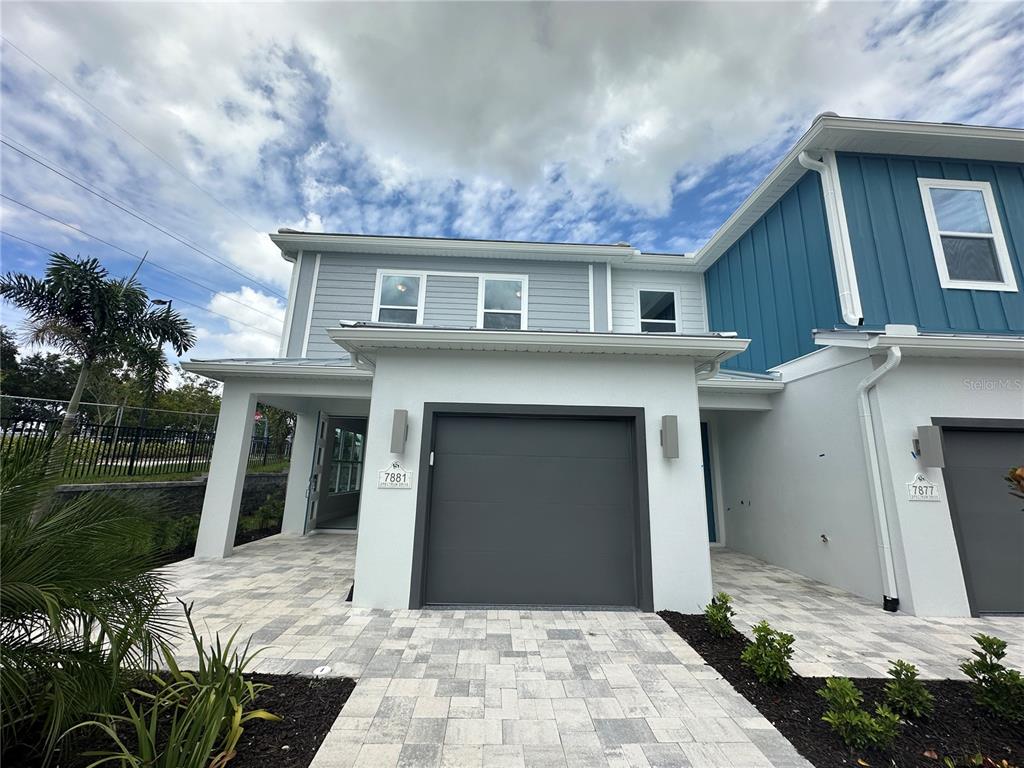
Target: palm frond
[(80, 606)]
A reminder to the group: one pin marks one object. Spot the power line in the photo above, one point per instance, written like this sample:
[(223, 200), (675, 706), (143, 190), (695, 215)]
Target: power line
[(143, 219), (124, 130), (165, 293), (32, 151), (151, 263)]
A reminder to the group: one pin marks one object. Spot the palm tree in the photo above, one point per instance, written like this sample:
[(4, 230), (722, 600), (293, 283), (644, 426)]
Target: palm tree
[(82, 311), (80, 607)]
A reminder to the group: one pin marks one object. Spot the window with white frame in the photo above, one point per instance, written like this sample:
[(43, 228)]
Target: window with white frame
[(501, 304), (967, 238), (657, 311), (399, 298)]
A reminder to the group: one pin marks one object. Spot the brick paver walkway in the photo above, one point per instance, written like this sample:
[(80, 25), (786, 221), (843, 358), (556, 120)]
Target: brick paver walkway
[(838, 633)]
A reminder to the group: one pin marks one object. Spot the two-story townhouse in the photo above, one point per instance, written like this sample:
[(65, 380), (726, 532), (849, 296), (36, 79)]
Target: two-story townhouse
[(511, 423)]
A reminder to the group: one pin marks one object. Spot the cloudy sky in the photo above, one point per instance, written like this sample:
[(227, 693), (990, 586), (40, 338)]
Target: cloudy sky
[(206, 127)]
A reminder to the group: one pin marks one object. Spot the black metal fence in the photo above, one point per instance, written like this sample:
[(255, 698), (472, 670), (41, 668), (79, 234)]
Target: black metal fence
[(105, 450)]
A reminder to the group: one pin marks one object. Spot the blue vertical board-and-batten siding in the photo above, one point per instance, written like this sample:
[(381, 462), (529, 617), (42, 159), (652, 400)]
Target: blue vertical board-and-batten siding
[(892, 251), (776, 285)]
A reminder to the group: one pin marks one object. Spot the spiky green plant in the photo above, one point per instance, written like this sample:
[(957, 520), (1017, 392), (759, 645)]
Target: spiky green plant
[(80, 609)]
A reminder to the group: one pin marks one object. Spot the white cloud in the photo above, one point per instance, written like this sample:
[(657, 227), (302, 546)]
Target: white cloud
[(255, 331)]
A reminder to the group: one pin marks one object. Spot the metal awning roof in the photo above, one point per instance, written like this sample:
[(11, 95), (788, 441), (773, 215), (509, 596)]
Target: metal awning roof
[(365, 340)]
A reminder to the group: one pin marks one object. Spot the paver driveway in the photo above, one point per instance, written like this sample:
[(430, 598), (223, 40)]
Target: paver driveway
[(479, 688)]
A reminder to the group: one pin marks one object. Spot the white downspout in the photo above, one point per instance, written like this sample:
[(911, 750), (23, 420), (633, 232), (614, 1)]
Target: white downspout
[(839, 235), (890, 595), (708, 370)]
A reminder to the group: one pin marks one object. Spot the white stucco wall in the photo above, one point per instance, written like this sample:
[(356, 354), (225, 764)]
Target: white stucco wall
[(796, 472), (680, 562), (927, 562)]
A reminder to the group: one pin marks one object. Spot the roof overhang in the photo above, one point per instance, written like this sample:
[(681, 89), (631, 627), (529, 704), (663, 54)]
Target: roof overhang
[(291, 243), (928, 345), (219, 370), (849, 134), (740, 386), (365, 342)]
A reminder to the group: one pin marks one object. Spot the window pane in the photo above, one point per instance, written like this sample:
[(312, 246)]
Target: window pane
[(652, 327), (503, 294), (399, 291), (657, 305), (960, 210), (971, 258), (397, 316), (503, 321)]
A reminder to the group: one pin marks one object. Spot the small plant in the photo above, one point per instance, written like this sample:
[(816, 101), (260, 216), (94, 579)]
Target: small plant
[(768, 656), (995, 687), (905, 694), (195, 719), (719, 613), (857, 728)]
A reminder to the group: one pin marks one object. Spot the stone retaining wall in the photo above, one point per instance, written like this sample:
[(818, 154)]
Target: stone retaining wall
[(185, 497)]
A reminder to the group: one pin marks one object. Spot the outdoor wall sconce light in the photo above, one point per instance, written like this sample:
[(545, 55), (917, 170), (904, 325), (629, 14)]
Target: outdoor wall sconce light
[(928, 446), (670, 437), (399, 430)]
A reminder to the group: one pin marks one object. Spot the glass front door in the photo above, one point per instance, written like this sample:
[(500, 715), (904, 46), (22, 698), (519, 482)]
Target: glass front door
[(342, 472)]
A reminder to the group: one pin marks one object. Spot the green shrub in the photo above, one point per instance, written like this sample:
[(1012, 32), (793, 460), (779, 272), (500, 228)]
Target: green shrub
[(857, 728), (995, 687), (719, 613), (81, 610), (905, 694), (768, 656), (195, 719)]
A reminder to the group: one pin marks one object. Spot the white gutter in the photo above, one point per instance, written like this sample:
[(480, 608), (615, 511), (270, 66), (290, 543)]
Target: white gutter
[(839, 234), (890, 595)]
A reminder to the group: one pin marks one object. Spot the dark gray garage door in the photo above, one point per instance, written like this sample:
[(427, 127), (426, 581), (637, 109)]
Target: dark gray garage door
[(988, 521), (532, 511)]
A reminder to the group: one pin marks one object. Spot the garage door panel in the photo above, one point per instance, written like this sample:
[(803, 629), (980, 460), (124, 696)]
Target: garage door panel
[(504, 578), (532, 511), (497, 436), (531, 479), (549, 526)]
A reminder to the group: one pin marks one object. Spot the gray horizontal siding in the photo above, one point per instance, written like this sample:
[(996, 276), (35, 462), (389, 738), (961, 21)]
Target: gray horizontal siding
[(626, 283), (451, 301), (558, 292)]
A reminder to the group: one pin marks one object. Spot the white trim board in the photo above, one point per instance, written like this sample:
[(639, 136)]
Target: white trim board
[(312, 302), (289, 311)]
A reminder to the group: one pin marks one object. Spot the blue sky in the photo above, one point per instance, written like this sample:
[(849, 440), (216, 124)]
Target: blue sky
[(569, 122)]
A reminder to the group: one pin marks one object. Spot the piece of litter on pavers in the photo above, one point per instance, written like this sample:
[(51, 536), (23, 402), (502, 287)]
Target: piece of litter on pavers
[(321, 671)]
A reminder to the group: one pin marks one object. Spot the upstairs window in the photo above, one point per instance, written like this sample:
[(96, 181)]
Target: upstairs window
[(501, 304), (967, 238), (399, 299), (658, 312)]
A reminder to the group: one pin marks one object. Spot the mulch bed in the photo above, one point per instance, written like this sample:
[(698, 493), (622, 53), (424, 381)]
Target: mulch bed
[(959, 728), (307, 707)]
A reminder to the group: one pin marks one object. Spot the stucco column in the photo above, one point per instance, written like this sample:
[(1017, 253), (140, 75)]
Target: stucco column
[(296, 495), (227, 472)]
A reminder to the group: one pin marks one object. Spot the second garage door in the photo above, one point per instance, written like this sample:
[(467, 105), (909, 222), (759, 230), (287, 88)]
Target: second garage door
[(527, 510), (987, 518)]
